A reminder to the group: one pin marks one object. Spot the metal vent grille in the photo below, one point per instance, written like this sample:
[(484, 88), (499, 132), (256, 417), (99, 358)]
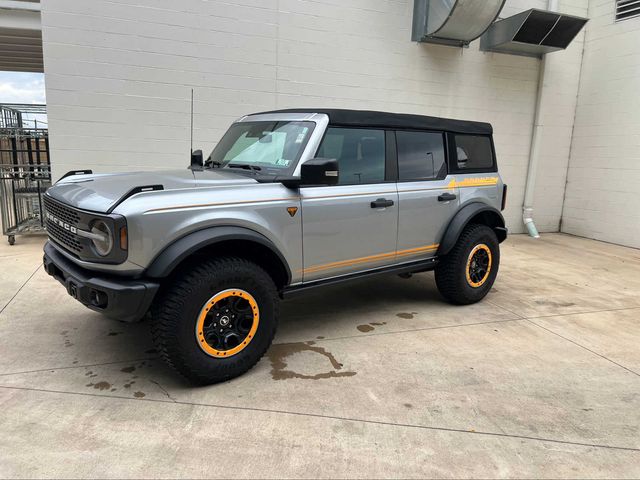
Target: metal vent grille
[(626, 9)]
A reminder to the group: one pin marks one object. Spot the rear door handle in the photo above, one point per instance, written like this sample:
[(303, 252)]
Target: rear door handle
[(446, 197), (382, 203)]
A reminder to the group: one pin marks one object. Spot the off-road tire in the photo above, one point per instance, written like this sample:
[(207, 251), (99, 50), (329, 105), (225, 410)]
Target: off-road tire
[(174, 317), (451, 272)]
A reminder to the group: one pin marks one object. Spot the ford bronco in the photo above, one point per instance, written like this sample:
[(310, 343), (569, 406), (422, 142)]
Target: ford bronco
[(287, 201)]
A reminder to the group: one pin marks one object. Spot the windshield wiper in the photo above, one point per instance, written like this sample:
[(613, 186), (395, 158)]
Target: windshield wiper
[(244, 166)]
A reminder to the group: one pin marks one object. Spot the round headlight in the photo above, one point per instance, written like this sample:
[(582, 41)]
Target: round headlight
[(102, 239)]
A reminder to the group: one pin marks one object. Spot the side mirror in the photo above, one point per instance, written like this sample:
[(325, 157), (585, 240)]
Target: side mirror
[(320, 171), (196, 160)]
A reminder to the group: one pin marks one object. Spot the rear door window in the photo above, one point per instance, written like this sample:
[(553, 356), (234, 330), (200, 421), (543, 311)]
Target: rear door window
[(474, 153), (420, 156)]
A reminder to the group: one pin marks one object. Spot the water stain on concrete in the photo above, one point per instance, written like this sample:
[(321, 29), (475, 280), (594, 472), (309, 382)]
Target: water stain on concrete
[(278, 354), (370, 327), (408, 405), (113, 334), (365, 328), (128, 369), (551, 303), (406, 315), (139, 394), (100, 385), (320, 337)]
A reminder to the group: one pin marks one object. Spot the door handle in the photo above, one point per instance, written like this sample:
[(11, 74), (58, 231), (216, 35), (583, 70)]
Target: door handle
[(381, 203), (446, 197)]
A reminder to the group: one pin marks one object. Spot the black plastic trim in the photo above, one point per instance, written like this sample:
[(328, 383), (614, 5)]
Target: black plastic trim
[(118, 298), (462, 218), (133, 191), (174, 254), (413, 267), (70, 173)]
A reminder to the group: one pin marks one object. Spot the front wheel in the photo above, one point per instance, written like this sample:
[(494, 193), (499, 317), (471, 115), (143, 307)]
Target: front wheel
[(466, 274), (217, 319)]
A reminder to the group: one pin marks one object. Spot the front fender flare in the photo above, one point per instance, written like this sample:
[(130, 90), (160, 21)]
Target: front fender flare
[(174, 254), (490, 215)]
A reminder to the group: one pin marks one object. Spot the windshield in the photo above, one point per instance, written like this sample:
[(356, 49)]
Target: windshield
[(272, 148)]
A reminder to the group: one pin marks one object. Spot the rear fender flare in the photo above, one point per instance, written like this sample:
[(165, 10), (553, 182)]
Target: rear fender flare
[(475, 212)]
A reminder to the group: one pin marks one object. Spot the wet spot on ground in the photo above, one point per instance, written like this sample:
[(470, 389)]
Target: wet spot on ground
[(100, 385), (113, 334), (139, 394), (320, 337), (128, 369), (406, 315), (279, 356), (370, 327)]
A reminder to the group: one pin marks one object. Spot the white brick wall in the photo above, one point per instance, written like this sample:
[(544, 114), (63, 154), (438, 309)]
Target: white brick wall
[(119, 73), (603, 187)]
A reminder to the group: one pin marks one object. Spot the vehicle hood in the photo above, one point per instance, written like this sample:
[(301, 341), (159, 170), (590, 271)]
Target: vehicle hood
[(101, 192)]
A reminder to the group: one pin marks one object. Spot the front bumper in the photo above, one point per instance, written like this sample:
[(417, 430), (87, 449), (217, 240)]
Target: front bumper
[(116, 297)]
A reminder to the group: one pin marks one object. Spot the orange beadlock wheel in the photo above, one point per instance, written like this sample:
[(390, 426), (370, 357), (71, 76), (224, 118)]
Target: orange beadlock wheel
[(227, 323)]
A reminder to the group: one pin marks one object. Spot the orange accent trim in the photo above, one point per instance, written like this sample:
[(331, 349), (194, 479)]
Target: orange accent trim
[(370, 258), (203, 315), (481, 246), (221, 204)]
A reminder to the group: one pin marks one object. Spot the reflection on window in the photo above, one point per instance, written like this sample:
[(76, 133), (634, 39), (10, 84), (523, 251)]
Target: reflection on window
[(420, 156), (360, 154)]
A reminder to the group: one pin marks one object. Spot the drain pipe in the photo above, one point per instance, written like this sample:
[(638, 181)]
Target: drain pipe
[(534, 151)]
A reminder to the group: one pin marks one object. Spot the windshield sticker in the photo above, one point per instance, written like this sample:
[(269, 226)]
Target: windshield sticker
[(283, 162), (300, 138)]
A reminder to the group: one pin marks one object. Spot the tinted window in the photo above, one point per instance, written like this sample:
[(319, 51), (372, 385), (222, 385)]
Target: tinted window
[(360, 154), (474, 152), (420, 156)]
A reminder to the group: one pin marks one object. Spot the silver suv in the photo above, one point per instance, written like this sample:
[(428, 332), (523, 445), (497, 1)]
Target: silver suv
[(287, 201)]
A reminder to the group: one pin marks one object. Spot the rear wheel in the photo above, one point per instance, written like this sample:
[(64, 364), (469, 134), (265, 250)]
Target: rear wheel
[(466, 274), (217, 320)]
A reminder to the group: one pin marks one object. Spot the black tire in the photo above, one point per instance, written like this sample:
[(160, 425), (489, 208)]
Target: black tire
[(175, 318), (452, 278)]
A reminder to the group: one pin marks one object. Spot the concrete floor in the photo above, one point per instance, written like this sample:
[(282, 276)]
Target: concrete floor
[(377, 379)]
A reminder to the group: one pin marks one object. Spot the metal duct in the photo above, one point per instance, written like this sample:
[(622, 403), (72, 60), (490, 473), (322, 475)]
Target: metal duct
[(453, 22), (532, 33)]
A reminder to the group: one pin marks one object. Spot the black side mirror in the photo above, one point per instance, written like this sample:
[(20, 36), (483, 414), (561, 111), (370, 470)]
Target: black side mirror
[(320, 171), (196, 160)]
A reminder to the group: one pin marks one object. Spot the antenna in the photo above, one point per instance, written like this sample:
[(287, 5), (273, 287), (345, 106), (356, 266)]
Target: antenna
[(192, 120)]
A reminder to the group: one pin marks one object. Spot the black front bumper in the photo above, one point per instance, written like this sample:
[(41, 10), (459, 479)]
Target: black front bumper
[(116, 297)]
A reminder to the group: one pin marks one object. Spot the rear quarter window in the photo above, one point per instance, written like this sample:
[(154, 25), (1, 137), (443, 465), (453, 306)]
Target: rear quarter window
[(473, 154)]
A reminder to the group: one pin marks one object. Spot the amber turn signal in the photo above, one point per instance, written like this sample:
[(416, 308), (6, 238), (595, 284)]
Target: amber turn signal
[(124, 241)]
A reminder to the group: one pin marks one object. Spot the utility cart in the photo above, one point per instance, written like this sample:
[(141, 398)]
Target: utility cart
[(25, 172)]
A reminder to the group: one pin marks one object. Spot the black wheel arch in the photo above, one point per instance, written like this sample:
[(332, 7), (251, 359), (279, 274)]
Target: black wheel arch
[(223, 240), (475, 212)]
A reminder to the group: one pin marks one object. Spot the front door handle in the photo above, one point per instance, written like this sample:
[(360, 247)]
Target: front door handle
[(382, 203), (446, 197)]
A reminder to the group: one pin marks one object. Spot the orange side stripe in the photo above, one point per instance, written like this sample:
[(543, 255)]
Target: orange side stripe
[(370, 258)]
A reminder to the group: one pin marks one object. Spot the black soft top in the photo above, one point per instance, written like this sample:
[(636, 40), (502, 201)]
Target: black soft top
[(369, 118)]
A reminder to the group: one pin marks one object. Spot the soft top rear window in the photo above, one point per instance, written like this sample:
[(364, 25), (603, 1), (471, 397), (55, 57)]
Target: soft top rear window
[(472, 153)]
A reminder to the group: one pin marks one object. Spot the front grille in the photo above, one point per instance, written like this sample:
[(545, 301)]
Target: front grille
[(59, 233), (64, 213)]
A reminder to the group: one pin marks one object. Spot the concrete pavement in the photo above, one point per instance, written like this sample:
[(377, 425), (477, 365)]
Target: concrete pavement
[(369, 380)]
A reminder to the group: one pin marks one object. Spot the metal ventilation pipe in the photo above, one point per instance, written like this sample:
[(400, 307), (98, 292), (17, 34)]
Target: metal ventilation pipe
[(534, 151)]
